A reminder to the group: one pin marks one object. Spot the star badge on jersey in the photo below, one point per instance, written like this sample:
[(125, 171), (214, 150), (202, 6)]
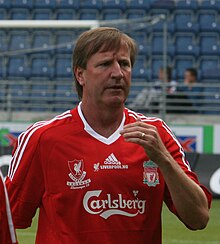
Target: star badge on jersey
[(77, 175), (150, 174)]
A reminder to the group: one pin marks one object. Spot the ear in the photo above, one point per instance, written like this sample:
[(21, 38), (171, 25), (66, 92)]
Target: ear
[(79, 74)]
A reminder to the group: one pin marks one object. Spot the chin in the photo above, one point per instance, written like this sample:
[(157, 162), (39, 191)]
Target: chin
[(115, 101)]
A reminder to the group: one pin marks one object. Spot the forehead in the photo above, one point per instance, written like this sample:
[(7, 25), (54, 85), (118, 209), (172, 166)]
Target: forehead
[(188, 73), (122, 51)]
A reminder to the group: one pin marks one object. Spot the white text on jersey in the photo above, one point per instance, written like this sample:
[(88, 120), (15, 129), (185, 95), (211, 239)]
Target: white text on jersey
[(108, 206)]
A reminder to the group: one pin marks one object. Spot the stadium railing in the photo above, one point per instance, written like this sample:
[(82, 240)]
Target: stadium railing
[(146, 97)]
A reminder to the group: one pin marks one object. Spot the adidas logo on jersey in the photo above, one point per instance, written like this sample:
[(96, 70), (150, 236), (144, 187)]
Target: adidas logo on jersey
[(111, 162), (111, 159)]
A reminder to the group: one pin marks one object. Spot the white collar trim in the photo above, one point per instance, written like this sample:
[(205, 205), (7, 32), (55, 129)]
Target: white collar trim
[(111, 139)]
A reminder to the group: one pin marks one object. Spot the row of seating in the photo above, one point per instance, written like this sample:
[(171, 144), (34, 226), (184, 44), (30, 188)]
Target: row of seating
[(178, 21), (59, 66), (122, 4), (148, 44)]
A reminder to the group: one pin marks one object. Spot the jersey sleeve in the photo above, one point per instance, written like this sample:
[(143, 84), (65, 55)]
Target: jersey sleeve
[(176, 150), (25, 179)]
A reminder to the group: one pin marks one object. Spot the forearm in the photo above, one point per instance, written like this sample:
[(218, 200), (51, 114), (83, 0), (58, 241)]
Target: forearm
[(189, 199)]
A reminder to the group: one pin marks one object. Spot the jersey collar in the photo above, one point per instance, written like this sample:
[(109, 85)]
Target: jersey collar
[(111, 139)]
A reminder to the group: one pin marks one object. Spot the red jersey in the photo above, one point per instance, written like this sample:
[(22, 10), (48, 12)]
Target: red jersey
[(7, 232), (90, 189)]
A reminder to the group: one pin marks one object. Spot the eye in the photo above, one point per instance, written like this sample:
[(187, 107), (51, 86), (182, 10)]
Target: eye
[(106, 63), (124, 63)]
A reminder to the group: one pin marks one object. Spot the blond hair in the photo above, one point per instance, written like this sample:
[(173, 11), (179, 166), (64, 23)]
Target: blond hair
[(99, 39)]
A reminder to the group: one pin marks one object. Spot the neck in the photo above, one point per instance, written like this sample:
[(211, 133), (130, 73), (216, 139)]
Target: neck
[(103, 119)]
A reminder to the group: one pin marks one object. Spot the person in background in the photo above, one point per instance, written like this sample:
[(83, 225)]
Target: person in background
[(165, 75), (148, 98), (191, 91), (190, 78), (7, 232)]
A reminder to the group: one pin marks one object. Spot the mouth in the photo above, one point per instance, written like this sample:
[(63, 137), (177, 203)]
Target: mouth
[(117, 87)]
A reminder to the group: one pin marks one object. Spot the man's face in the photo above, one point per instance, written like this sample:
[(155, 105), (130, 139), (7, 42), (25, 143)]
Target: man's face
[(107, 78), (188, 78)]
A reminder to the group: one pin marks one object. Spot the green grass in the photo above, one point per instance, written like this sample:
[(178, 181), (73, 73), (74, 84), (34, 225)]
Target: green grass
[(174, 232)]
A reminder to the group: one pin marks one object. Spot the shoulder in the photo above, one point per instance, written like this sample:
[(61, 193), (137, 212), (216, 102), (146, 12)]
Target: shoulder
[(42, 126), (35, 131), (155, 121), (132, 116)]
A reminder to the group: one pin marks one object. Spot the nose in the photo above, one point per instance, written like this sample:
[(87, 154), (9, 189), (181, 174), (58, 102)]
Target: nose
[(116, 72)]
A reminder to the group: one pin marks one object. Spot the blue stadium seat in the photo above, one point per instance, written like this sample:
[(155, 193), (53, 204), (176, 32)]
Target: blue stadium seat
[(5, 4), (158, 4), (3, 93), (206, 64), (41, 97), (209, 44), (42, 39), (115, 4), (140, 68), (208, 21), (186, 45), (65, 97), (3, 14), (112, 14), (157, 45), (70, 4), (181, 63), (142, 42), (41, 66), (18, 67), (168, 4), (96, 4), (158, 26), (65, 41), (63, 67), (63, 91), (184, 21), (19, 95), (135, 13), (210, 4), (211, 100), (40, 91), (45, 4), (139, 4), (66, 14), (155, 63), (19, 14), (187, 4), (3, 41), (2, 67), (88, 14), (42, 14), (22, 3), (19, 40)]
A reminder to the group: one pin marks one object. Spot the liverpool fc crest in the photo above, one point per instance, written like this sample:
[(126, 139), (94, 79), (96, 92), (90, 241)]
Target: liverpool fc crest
[(77, 175), (150, 174)]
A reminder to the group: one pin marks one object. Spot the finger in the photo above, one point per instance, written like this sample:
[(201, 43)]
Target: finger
[(138, 123), (136, 134), (145, 130)]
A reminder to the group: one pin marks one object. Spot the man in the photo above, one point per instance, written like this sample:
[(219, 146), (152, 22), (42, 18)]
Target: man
[(7, 232), (191, 92), (148, 98), (190, 77), (100, 172), (171, 86)]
